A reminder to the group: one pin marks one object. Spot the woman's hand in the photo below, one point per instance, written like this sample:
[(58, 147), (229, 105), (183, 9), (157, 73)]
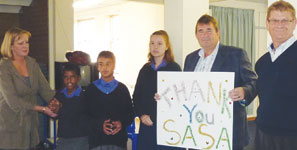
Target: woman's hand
[(146, 119), (49, 112), (45, 110)]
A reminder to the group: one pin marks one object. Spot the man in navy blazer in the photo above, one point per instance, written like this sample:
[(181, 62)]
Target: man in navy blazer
[(215, 57)]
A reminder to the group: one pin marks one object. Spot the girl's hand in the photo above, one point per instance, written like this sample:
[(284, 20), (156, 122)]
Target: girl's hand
[(157, 97), (146, 119)]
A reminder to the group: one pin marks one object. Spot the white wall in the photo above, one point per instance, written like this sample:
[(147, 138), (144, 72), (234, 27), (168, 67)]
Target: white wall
[(195, 10), (137, 22), (63, 28), (180, 22), (60, 16)]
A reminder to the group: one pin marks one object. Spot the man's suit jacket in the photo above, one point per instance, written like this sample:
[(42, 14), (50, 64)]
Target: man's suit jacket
[(232, 59)]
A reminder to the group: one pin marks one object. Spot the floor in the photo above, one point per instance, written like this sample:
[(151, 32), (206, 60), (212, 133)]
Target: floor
[(251, 128)]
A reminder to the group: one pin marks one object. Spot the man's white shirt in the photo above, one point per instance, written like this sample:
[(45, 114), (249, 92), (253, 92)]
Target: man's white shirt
[(274, 54), (205, 64)]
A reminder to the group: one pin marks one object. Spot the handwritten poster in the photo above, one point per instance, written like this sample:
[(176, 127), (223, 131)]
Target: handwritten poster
[(194, 110)]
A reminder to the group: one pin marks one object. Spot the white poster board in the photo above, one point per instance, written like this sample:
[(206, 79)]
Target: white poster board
[(194, 110)]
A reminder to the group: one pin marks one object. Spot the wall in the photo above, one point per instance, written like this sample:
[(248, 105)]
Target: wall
[(10, 21), (63, 28), (191, 18), (35, 19), (180, 22), (137, 21)]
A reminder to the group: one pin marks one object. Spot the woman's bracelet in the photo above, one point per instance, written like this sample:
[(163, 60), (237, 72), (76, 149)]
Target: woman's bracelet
[(43, 109)]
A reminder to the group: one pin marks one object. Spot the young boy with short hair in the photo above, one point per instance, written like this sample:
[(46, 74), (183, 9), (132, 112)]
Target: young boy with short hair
[(72, 123), (109, 105)]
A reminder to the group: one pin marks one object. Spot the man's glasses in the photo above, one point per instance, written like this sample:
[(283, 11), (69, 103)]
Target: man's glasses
[(284, 21)]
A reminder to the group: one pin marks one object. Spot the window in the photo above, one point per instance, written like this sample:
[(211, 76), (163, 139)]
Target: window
[(91, 36), (84, 37)]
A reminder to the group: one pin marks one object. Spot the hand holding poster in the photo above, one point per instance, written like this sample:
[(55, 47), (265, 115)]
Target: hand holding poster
[(194, 110)]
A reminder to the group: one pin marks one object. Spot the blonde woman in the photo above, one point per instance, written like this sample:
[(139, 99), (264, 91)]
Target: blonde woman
[(21, 81)]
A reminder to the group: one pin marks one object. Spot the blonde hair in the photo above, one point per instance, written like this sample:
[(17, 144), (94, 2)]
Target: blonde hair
[(10, 37), (281, 6), (169, 57)]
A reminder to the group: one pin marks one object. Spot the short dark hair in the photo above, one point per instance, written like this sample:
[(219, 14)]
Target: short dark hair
[(71, 67), (206, 19), (106, 54)]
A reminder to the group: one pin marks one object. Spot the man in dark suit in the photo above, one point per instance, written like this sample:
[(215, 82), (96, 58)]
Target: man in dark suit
[(215, 57)]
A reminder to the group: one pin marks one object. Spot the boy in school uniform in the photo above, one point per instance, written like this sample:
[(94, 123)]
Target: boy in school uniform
[(109, 106), (72, 123)]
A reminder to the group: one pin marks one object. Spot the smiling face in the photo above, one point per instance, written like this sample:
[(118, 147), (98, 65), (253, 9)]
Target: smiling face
[(71, 80), (106, 67), (20, 47), (280, 25), (207, 36), (158, 46)]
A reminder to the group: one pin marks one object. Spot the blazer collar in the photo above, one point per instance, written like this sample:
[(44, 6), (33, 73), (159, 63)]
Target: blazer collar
[(220, 58), (194, 62), (29, 67)]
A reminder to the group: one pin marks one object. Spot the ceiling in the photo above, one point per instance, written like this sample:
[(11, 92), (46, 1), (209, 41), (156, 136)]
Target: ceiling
[(14, 6), (80, 4)]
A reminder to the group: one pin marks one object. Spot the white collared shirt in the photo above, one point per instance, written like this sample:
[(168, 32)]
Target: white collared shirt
[(274, 54), (205, 64)]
